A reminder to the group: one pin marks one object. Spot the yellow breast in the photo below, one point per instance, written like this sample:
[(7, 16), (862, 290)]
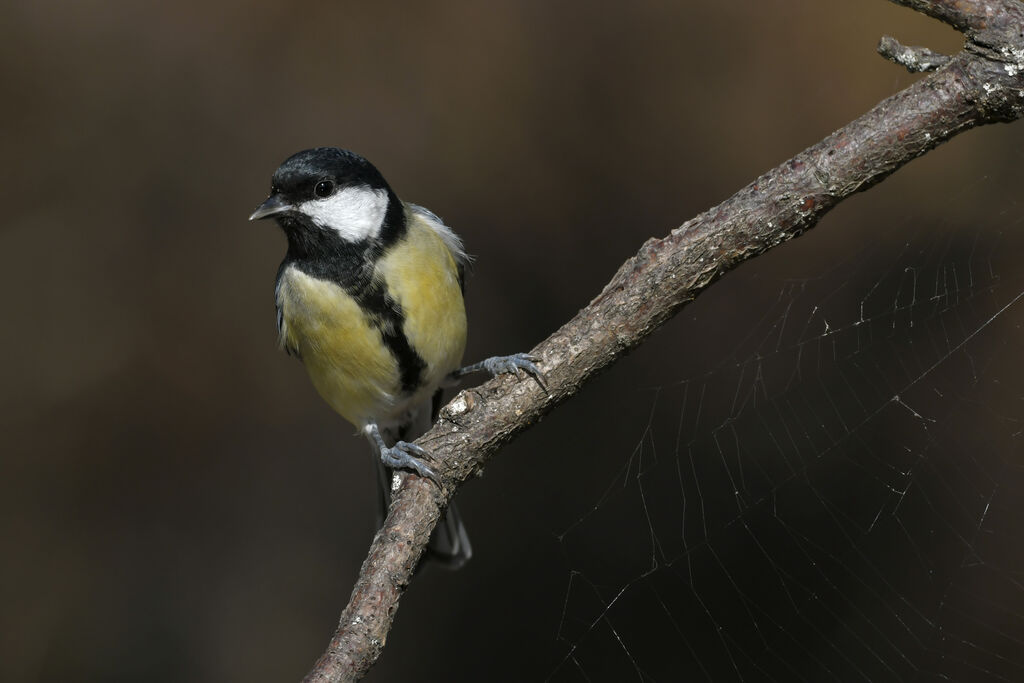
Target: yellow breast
[(344, 351), (423, 277)]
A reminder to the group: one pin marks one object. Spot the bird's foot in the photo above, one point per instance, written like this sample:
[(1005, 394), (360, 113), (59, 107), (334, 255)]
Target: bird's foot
[(516, 364), (403, 455)]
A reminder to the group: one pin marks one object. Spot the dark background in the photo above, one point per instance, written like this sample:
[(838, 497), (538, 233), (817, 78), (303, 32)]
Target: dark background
[(176, 503)]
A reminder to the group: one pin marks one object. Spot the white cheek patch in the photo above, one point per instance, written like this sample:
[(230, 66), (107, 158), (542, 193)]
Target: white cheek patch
[(355, 213)]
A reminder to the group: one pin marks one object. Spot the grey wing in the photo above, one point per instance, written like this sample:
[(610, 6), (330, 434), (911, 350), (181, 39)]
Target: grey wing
[(282, 324)]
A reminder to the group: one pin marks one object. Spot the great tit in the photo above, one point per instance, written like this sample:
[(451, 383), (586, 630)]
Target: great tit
[(369, 297)]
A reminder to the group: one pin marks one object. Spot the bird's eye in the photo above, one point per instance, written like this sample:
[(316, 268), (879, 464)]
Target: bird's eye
[(323, 189)]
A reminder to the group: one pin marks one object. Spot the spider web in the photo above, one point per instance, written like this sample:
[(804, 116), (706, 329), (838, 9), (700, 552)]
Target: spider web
[(838, 498)]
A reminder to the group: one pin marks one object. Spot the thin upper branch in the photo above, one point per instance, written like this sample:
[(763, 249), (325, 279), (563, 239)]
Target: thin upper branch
[(978, 86), (969, 15)]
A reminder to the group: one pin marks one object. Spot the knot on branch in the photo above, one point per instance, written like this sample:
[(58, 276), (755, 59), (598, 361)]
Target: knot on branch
[(914, 58), (991, 66)]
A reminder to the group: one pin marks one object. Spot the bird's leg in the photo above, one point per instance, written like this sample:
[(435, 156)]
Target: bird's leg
[(496, 365), (402, 455)]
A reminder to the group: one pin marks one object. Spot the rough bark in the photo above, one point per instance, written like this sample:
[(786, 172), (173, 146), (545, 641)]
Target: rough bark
[(982, 84)]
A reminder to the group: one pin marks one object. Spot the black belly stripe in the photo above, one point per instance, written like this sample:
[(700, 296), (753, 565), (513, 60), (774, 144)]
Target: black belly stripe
[(387, 316), (410, 363)]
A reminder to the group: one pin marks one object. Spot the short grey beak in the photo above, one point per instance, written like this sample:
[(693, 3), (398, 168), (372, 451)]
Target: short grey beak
[(272, 206)]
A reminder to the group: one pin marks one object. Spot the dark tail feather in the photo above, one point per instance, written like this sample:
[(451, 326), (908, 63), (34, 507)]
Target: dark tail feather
[(449, 543)]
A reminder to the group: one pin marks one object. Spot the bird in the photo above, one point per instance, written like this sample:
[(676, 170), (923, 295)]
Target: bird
[(369, 297)]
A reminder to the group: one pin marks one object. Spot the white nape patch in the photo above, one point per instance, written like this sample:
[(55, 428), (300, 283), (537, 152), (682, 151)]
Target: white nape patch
[(355, 213)]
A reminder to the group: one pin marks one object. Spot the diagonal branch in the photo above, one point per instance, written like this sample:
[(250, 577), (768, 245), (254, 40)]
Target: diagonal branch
[(983, 84)]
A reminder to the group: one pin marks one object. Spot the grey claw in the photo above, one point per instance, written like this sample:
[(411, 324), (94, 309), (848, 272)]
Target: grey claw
[(412, 448), (398, 456), (516, 364)]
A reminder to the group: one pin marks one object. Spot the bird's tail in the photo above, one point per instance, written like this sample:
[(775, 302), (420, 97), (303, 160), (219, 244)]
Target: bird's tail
[(449, 544)]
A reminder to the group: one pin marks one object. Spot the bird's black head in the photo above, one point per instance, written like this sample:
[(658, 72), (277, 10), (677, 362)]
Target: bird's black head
[(328, 193), (312, 173)]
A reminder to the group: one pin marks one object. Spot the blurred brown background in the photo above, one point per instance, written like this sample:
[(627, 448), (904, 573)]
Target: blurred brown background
[(175, 501)]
